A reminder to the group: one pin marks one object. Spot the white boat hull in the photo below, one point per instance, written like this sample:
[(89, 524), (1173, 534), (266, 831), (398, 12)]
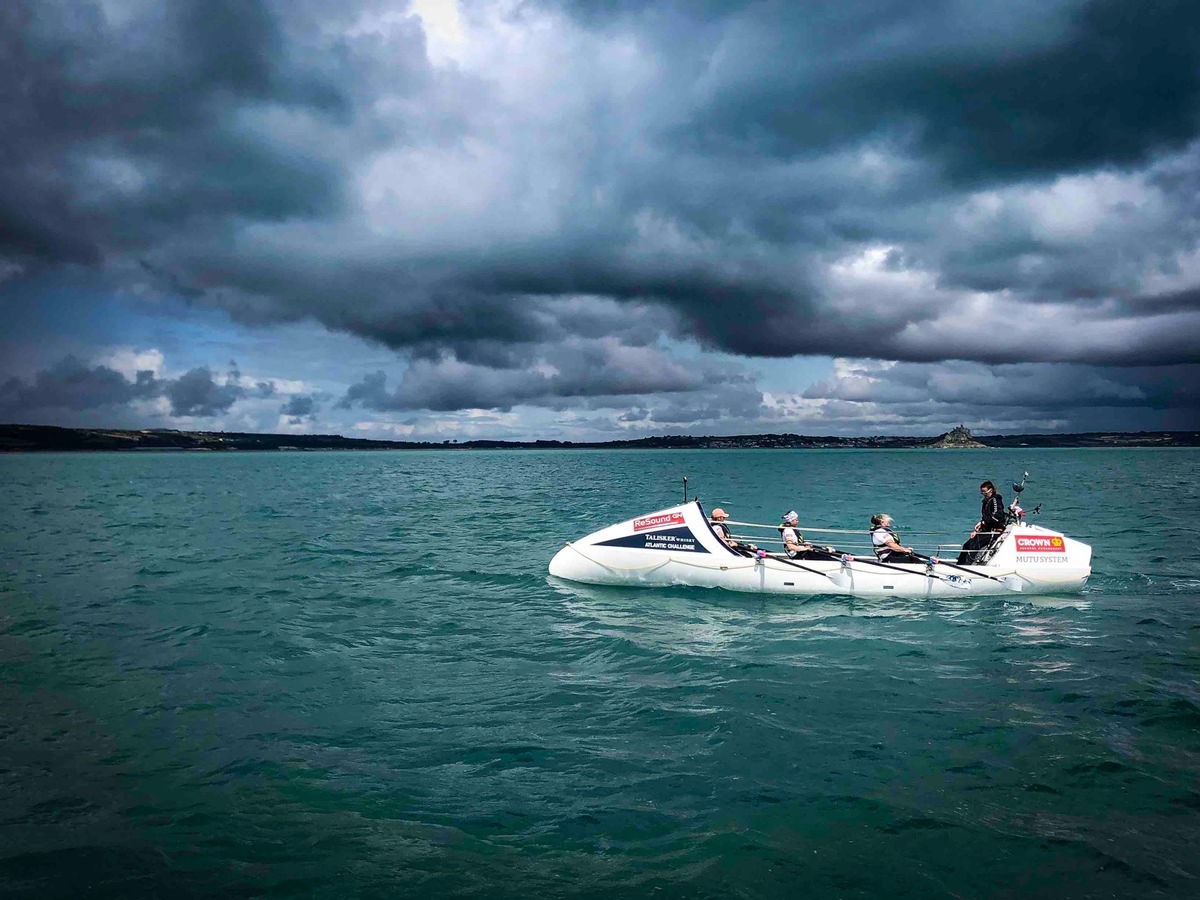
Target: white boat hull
[(677, 546)]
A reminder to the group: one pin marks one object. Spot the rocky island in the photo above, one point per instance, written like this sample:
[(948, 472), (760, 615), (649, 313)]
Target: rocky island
[(958, 438)]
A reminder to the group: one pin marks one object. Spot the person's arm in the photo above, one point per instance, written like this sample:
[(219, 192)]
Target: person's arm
[(983, 514), (895, 547)]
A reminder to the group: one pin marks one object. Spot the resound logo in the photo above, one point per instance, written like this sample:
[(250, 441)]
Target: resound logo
[(659, 521)]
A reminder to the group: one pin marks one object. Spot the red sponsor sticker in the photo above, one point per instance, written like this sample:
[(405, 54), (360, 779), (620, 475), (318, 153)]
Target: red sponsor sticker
[(660, 521), (1036, 543)]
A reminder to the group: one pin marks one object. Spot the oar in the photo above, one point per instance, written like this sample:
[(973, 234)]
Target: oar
[(843, 580), (895, 568), (840, 578), (892, 566), (1013, 582)]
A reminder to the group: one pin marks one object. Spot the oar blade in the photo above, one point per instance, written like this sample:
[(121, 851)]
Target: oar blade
[(1013, 582), (841, 579), (955, 581)]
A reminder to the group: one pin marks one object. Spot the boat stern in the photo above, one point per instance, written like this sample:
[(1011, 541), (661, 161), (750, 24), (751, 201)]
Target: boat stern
[(1047, 560)]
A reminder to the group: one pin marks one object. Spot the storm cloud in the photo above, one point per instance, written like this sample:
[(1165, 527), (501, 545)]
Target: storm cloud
[(73, 385), (599, 372), (299, 407), (195, 393), (529, 202)]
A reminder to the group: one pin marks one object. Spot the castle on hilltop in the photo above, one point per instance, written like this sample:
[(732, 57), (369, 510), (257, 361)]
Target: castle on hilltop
[(957, 438)]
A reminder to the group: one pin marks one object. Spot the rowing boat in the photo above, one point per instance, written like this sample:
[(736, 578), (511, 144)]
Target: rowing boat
[(679, 546)]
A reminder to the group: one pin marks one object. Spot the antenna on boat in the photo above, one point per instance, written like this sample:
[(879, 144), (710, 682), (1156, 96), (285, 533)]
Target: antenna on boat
[(1016, 514), (685, 489)]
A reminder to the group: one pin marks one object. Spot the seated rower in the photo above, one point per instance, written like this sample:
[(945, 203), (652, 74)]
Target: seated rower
[(794, 544), (717, 521), (886, 543)]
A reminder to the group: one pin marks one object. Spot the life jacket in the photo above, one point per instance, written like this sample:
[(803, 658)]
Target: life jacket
[(799, 540), (722, 531), (883, 551)]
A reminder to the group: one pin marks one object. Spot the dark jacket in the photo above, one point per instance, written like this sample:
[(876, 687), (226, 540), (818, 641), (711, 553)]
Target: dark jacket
[(992, 515)]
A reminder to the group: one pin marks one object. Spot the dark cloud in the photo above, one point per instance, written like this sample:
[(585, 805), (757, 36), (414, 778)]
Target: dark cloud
[(125, 123), (299, 405), (196, 393), (587, 373), (72, 385), (970, 390), (370, 392), (991, 90), (300, 409), (1002, 183)]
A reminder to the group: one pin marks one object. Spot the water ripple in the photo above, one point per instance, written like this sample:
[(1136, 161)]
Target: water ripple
[(251, 674)]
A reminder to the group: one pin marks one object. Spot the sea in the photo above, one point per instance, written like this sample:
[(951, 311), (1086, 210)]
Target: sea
[(349, 674)]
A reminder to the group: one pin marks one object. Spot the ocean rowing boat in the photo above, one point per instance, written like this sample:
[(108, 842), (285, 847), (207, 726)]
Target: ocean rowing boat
[(679, 546)]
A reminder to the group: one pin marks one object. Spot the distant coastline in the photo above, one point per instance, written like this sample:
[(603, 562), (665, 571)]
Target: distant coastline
[(46, 438)]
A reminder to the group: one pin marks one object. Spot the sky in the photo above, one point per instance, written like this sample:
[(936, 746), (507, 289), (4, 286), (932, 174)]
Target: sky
[(521, 219)]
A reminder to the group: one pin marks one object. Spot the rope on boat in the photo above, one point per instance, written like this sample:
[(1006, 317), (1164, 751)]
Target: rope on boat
[(618, 568), (867, 549), (863, 547), (750, 564), (858, 531)]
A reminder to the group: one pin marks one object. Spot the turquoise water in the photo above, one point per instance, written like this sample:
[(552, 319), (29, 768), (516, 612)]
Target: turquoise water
[(348, 674)]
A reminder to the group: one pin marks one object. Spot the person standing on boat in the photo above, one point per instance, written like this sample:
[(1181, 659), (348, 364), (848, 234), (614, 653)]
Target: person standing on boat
[(886, 542), (991, 522)]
